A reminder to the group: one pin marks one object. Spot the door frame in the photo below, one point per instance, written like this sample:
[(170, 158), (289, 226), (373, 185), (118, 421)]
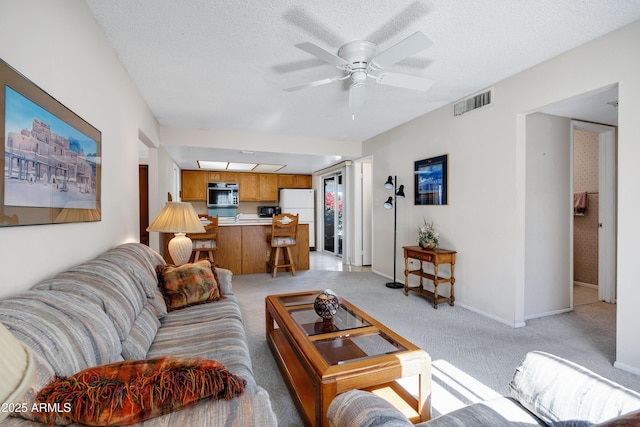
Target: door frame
[(607, 225)]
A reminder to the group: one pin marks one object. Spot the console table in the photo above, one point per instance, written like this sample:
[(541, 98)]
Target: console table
[(431, 256)]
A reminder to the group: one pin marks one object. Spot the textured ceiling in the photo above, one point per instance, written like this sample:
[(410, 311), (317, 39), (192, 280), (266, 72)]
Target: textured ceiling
[(223, 64)]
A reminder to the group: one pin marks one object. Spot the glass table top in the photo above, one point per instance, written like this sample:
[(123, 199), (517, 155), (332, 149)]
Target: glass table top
[(351, 338), (349, 348), (312, 324)]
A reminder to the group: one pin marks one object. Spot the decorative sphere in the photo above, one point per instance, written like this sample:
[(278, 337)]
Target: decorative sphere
[(326, 304)]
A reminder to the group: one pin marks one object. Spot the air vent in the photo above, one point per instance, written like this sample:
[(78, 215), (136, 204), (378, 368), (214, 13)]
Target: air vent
[(472, 103)]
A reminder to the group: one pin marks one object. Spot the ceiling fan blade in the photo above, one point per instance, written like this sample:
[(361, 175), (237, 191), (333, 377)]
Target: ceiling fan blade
[(399, 22), (417, 42), (404, 81), (325, 55), (312, 84), (356, 96)]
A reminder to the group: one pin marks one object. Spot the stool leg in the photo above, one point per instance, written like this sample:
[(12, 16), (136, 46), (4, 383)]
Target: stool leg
[(196, 257), (293, 266), (275, 262)]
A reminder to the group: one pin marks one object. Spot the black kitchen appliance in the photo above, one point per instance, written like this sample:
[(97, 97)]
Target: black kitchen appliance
[(268, 211)]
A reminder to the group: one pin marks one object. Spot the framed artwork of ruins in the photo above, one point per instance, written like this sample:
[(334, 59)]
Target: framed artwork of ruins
[(50, 156)]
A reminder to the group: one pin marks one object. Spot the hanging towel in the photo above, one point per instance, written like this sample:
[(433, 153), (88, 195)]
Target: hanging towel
[(579, 203)]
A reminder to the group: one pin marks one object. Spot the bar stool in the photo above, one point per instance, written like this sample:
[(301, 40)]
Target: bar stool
[(284, 231), (207, 241)]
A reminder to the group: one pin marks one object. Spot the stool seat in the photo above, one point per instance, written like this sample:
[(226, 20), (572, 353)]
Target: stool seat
[(284, 232)]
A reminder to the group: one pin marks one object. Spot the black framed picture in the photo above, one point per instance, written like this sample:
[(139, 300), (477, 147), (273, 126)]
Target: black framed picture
[(431, 181), (52, 157)]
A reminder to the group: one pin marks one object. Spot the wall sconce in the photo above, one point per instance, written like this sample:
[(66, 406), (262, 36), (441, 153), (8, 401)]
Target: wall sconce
[(398, 193)]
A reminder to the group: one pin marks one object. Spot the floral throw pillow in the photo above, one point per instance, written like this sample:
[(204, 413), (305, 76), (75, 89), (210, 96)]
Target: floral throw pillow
[(131, 391), (188, 284)]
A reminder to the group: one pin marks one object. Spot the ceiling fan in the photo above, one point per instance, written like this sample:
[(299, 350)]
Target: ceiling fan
[(360, 60)]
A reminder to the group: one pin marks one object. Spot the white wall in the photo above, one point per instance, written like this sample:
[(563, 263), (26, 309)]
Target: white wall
[(548, 216), (58, 46), (488, 170)]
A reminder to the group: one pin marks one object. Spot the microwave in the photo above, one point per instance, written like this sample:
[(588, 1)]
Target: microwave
[(222, 194), (268, 211)]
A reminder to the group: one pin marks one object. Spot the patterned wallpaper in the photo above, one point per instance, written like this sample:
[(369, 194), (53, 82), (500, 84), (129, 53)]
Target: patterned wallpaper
[(585, 228)]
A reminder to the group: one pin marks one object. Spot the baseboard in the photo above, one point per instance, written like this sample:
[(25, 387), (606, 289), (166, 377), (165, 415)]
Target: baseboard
[(586, 285), (491, 316), (625, 367), (548, 313)]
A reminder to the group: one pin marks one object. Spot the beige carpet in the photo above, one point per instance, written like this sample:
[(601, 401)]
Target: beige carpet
[(473, 357)]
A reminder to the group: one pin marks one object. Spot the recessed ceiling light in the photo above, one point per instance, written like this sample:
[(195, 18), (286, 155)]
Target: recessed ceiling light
[(208, 164), (240, 166), (268, 168)]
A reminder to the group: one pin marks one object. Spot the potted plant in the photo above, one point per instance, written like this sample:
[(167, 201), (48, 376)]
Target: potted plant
[(427, 236)]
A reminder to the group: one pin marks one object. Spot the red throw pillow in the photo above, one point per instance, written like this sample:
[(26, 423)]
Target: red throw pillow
[(188, 284), (131, 391)]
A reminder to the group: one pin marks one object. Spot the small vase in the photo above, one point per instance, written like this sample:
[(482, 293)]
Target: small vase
[(326, 304), (427, 245)]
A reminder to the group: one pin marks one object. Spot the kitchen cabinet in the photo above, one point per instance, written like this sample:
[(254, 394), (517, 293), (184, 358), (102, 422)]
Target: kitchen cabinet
[(294, 181), (244, 249), (222, 176), (248, 187), (194, 186), (258, 187), (253, 187), (268, 187)]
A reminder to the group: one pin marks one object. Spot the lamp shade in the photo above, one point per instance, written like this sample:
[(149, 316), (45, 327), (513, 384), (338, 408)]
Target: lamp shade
[(400, 192), (389, 183), (16, 366), (177, 217), (389, 203)]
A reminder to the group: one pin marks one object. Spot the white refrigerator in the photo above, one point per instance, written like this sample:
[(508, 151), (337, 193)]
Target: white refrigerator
[(301, 202)]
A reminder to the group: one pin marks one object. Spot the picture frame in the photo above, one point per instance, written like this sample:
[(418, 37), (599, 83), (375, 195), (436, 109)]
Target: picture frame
[(431, 181), (51, 157)]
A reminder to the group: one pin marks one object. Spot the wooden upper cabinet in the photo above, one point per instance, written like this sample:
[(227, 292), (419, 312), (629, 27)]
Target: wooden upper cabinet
[(294, 181), (222, 176), (268, 187), (248, 187), (252, 187), (194, 186), (304, 181), (258, 187)]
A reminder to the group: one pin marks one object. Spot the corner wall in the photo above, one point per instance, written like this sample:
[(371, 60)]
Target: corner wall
[(485, 218), (58, 45)]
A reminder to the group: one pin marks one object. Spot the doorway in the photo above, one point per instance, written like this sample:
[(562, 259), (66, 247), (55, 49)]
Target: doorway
[(333, 213), (594, 223)]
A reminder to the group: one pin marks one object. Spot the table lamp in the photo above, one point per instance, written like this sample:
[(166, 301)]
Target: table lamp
[(179, 218), (16, 365)]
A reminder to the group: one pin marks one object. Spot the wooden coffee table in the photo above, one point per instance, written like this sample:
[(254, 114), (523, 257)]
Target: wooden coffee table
[(320, 360)]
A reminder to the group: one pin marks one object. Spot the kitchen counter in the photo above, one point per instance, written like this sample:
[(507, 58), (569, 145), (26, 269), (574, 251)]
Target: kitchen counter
[(242, 246), (243, 219)]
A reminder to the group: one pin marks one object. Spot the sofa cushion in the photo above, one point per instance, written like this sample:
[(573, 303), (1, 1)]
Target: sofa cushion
[(127, 392), (188, 284), (93, 283), (142, 333), (502, 411), (69, 332), (140, 262), (222, 339), (556, 389)]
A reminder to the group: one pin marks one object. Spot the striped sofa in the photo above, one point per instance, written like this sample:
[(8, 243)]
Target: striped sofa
[(546, 390), (109, 309)]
